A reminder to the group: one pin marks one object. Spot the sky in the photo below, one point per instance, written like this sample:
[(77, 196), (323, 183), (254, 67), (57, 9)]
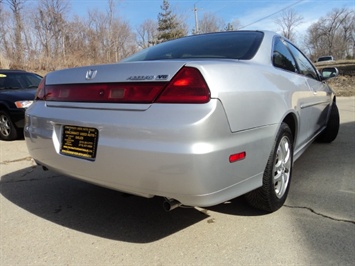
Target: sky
[(252, 14)]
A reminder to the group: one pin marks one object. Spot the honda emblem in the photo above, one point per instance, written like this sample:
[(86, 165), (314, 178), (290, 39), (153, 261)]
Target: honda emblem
[(91, 74)]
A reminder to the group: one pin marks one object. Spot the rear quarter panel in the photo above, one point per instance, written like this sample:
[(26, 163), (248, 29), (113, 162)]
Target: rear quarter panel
[(254, 95)]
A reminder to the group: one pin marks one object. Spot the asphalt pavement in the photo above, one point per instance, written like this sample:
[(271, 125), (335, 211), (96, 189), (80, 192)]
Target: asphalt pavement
[(47, 218)]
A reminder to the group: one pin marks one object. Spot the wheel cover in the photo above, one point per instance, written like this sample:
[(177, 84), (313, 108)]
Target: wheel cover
[(4, 126), (282, 167)]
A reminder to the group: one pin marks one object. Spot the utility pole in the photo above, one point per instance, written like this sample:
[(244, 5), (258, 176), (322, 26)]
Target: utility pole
[(196, 20)]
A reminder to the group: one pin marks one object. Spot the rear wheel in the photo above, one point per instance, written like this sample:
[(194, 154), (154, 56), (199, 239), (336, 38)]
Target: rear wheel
[(331, 131), (8, 131), (277, 175)]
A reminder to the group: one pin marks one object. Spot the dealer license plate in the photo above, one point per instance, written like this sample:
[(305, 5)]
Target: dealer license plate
[(79, 142)]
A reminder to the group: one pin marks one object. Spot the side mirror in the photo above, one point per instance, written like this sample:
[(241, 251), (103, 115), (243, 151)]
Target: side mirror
[(329, 72)]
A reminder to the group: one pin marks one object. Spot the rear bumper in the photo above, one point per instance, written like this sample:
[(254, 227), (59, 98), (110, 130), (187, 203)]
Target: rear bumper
[(181, 154)]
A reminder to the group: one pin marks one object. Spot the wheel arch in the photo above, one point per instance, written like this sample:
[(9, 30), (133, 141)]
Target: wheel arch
[(3, 106), (291, 120), (334, 99)]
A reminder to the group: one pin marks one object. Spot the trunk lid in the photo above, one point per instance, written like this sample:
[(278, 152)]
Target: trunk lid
[(152, 71)]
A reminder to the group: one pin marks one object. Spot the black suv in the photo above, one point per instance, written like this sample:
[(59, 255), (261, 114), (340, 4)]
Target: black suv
[(17, 91)]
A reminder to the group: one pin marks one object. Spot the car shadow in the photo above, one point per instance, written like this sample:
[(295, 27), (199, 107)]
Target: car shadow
[(237, 207), (103, 212), (94, 210)]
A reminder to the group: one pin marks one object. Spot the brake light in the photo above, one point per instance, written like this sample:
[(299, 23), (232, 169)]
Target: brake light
[(188, 86), (109, 92)]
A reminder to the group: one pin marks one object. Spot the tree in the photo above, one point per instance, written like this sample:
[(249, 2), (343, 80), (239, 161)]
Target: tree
[(147, 34), (43, 38), (234, 25), (210, 23), (332, 34), (109, 39), (2, 27), (168, 25), (288, 21), (2, 37), (16, 7), (50, 26), (123, 40), (228, 27), (76, 43)]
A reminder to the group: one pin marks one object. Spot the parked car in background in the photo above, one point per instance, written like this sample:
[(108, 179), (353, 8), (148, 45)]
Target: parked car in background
[(17, 92), (325, 58), (198, 120)]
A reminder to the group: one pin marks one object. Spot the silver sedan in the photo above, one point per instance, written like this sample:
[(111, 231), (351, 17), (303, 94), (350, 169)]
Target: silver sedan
[(198, 120)]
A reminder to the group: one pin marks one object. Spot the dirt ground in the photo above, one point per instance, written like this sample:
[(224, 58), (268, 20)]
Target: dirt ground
[(343, 85)]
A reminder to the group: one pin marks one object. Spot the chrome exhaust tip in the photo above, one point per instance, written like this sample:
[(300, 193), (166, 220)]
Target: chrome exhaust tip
[(170, 204)]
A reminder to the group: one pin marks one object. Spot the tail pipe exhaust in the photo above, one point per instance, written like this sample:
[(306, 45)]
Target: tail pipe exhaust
[(170, 204), (43, 167)]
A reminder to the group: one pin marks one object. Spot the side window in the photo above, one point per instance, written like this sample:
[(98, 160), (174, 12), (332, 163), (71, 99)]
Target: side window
[(305, 67), (282, 57)]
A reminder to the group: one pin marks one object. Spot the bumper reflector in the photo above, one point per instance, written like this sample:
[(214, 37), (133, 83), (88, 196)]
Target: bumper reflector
[(237, 157)]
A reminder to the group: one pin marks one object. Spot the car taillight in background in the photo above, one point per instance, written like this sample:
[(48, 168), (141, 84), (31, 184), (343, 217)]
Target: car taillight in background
[(188, 86), (40, 90)]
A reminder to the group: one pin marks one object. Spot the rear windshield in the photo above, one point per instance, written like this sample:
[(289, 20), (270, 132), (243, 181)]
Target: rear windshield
[(230, 45)]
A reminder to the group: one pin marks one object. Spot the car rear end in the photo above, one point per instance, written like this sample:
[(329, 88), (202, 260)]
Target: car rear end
[(156, 124), (157, 133)]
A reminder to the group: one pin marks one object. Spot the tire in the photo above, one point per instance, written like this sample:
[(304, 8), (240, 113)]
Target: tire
[(331, 131), (277, 175), (8, 131)]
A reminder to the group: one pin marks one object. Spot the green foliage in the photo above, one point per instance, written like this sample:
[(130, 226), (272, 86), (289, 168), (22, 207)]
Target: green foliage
[(168, 25), (229, 27)]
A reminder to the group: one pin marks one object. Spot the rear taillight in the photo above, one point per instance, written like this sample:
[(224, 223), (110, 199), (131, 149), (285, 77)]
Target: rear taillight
[(108, 93), (188, 86)]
